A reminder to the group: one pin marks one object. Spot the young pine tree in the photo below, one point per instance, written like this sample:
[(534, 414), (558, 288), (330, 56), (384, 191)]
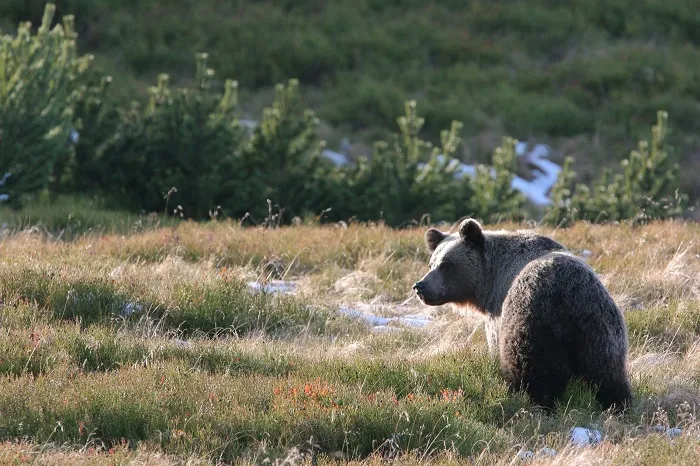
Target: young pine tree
[(646, 189), (37, 75), (649, 184), (407, 177), (186, 139), (284, 153), (97, 117), (494, 198)]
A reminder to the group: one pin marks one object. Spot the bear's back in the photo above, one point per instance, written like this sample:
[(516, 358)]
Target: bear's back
[(560, 285)]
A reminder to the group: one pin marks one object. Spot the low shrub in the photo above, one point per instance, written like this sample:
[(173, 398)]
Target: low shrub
[(647, 189)]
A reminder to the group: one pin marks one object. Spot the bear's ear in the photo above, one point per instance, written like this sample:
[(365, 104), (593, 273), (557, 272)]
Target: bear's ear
[(433, 237), (470, 230)]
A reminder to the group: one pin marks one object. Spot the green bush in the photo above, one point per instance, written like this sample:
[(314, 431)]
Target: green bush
[(284, 156), (187, 139), (97, 117), (404, 179), (38, 75), (494, 199), (185, 152), (532, 69), (647, 189), (407, 179)]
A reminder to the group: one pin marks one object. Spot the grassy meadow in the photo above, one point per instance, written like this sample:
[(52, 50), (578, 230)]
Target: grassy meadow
[(145, 345)]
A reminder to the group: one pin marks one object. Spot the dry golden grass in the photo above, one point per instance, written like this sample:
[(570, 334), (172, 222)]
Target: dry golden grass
[(60, 329)]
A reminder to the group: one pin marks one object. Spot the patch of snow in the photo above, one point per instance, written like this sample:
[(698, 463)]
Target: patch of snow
[(345, 146), (670, 431), (461, 169), (546, 174), (527, 455), (524, 455), (4, 196), (414, 321), (536, 190), (124, 310), (361, 311), (273, 287), (248, 124), (582, 436), (465, 170), (182, 343), (338, 159), (366, 316), (418, 321), (130, 308)]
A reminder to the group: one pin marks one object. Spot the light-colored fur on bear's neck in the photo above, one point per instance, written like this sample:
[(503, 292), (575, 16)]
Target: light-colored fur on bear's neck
[(507, 254)]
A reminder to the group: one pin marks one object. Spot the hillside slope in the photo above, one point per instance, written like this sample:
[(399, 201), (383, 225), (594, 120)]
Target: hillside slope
[(586, 78)]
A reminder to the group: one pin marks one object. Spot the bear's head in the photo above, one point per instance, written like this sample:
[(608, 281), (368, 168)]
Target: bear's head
[(456, 265)]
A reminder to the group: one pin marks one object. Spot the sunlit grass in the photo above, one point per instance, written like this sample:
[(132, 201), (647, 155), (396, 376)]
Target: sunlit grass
[(204, 369)]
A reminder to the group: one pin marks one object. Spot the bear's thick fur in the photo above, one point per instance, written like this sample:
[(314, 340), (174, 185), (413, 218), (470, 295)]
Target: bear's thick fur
[(549, 317)]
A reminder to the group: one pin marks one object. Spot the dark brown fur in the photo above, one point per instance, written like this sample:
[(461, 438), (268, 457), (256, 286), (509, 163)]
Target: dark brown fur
[(549, 317)]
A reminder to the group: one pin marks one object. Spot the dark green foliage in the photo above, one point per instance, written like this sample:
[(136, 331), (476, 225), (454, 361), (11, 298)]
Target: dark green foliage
[(37, 94), (185, 153), (647, 189), (533, 68), (190, 139), (187, 139), (97, 117), (284, 154), (405, 178), (494, 199), (650, 179), (408, 178)]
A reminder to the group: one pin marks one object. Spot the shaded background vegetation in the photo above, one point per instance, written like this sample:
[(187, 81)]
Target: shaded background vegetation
[(588, 78), (534, 68)]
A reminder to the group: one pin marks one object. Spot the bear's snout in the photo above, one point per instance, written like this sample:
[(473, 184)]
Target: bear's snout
[(420, 287), (426, 293)]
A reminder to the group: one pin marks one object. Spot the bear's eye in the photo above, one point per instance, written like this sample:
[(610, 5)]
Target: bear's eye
[(446, 266)]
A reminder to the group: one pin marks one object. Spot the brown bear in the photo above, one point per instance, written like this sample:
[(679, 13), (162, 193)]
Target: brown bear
[(548, 316)]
